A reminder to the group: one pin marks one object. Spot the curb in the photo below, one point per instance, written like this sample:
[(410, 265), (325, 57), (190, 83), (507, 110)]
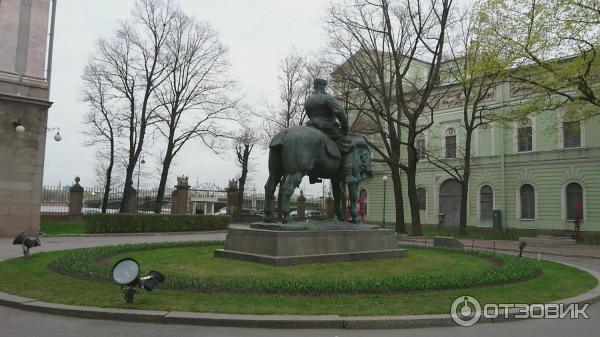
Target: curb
[(134, 234), (270, 321), (526, 251)]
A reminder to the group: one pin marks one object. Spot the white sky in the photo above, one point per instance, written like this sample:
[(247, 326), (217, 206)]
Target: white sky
[(258, 33)]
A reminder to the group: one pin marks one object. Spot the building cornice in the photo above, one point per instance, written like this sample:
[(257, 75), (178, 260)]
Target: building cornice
[(27, 100)]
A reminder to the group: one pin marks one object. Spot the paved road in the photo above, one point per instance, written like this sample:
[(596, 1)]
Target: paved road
[(16, 322)]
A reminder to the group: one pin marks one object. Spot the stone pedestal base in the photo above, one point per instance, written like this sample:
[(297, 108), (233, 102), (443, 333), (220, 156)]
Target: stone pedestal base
[(285, 248)]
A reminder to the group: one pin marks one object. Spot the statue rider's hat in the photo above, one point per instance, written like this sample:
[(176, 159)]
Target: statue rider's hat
[(321, 83)]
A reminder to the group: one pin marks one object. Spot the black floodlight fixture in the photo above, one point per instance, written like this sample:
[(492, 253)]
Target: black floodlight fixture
[(126, 273), (26, 242), (522, 245), (153, 279)]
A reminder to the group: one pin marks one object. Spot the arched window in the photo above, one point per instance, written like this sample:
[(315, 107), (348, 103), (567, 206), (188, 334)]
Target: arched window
[(450, 143), (421, 147), (525, 135), (527, 202), (574, 198), (422, 198), (486, 200)]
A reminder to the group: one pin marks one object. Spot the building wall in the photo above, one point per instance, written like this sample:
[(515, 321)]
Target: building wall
[(24, 98), (549, 168)]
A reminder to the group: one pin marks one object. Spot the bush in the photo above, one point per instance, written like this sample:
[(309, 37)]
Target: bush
[(147, 223), (84, 263)]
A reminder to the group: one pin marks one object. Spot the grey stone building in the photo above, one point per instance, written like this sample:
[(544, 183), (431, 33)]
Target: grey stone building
[(24, 101)]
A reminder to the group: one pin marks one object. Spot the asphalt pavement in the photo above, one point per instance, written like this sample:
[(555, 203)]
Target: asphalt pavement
[(15, 322)]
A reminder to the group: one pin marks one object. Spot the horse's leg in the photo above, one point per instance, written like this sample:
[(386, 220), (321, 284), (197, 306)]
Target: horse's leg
[(353, 194), (275, 173), (292, 181), (337, 198)]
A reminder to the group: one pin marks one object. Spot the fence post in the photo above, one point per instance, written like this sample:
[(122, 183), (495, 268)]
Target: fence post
[(75, 199), (330, 209), (132, 202), (301, 206), (232, 198), (179, 197)]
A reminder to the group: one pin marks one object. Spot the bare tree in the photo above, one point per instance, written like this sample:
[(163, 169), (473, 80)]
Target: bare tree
[(474, 71), (194, 98), (133, 63), (243, 144), (392, 50), (102, 128)]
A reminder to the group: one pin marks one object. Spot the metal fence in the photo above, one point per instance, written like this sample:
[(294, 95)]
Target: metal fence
[(55, 200)]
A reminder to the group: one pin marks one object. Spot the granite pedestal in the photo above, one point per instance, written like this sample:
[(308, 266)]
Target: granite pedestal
[(292, 247)]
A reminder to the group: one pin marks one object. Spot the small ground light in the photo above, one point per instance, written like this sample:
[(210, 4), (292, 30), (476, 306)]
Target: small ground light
[(126, 273), (26, 242), (522, 246)]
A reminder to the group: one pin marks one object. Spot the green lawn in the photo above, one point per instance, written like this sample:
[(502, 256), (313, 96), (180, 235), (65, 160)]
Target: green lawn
[(199, 262), (64, 227), (31, 277)]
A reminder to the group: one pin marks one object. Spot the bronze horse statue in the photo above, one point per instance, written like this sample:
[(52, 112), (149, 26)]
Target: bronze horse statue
[(299, 151)]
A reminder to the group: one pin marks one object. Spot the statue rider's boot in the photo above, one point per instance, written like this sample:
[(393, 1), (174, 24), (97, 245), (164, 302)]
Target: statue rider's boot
[(349, 176)]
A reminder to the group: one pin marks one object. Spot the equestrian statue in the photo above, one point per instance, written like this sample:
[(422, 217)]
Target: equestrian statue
[(322, 149)]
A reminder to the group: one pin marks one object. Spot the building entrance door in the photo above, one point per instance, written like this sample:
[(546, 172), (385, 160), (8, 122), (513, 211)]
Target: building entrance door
[(450, 193)]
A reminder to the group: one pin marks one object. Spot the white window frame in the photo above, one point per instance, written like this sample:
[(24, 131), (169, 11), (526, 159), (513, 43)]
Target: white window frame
[(533, 135), (444, 127), (426, 198), (425, 136), (536, 202), (563, 199), (560, 117), (479, 199)]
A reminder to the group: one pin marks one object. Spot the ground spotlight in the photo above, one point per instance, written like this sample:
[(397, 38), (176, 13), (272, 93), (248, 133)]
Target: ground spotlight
[(26, 242), (522, 246), (126, 273)]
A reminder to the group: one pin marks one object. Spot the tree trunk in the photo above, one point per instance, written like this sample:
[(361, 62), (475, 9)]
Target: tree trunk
[(242, 180), (464, 197), (411, 180), (164, 175), (128, 186), (108, 176), (398, 200)]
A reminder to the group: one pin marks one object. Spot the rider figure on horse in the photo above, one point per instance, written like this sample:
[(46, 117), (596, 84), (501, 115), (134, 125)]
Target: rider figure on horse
[(324, 112)]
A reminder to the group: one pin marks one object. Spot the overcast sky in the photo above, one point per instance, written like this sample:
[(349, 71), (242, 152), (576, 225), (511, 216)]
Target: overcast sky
[(258, 34)]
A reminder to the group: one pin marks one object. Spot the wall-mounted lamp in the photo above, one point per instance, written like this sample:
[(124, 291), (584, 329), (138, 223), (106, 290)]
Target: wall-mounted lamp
[(19, 128), (57, 136)]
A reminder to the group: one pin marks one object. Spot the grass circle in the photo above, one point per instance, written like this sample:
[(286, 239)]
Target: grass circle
[(424, 282)]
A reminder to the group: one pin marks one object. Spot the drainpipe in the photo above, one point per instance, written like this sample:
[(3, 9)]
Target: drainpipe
[(503, 164), (51, 44)]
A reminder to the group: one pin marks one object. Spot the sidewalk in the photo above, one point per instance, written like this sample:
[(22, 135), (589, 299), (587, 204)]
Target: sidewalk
[(585, 251)]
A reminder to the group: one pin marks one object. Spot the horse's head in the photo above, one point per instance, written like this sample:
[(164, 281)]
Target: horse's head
[(361, 152)]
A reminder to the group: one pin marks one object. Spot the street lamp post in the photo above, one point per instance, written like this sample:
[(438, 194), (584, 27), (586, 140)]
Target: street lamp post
[(385, 178), (142, 161)]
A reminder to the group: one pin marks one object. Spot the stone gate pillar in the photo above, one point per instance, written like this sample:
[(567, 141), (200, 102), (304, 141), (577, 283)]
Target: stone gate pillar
[(76, 199), (301, 206), (132, 200), (330, 209), (180, 197), (232, 198)]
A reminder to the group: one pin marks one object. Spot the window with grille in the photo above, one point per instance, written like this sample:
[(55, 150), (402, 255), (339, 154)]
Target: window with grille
[(571, 134), (420, 145), (422, 198), (525, 138), (451, 146), (486, 202), (574, 199), (527, 202)]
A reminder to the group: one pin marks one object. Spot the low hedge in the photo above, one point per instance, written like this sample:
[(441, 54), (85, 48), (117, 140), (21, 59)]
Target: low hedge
[(84, 263), (146, 223)]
